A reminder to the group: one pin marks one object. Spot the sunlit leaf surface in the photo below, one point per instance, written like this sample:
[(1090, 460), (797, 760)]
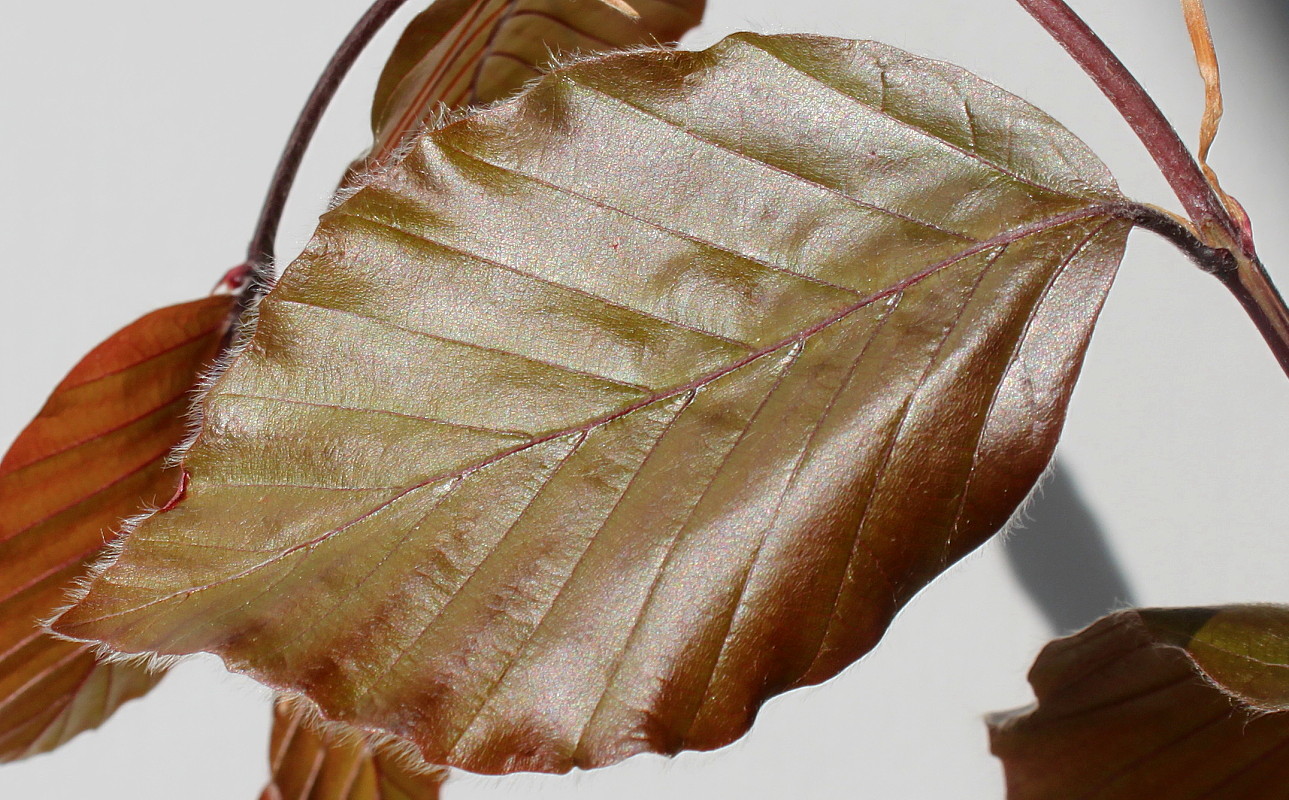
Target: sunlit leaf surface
[(464, 52), (612, 411), (311, 764), (1169, 704), (93, 457)]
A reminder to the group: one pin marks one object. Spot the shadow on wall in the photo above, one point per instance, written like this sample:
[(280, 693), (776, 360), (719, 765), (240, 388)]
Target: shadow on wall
[(1060, 555), (1061, 558)]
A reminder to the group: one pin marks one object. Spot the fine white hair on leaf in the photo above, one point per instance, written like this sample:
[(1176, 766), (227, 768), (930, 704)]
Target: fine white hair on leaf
[(442, 116), (398, 750), (76, 591), (239, 339), (1020, 518), (243, 329)]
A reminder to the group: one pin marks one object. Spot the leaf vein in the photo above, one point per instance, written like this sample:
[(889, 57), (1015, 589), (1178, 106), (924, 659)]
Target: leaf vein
[(645, 112)]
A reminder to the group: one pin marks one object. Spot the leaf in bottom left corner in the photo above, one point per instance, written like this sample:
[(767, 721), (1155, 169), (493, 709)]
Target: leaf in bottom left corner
[(94, 456)]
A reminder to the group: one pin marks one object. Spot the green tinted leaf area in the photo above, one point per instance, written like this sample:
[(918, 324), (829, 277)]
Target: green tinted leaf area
[(615, 410), (1161, 703)]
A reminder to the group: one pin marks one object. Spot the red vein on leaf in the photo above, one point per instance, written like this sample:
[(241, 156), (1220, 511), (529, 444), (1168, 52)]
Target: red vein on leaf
[(1007, 237), (476, 346), (32, 635), (698, 137), (154, 356), (337, 407), (563, 23), (154, 460), (476, 68), (903, 415), (705, 695), (899, 420), (526, 645), (39, 677), (101, 434), (75, 562), (689, 237), (284, 745), (998, 387), (1095, 790), (1248, 766), (356, 769), (643, 611), (903, 123), (405, 652), (547, 281)]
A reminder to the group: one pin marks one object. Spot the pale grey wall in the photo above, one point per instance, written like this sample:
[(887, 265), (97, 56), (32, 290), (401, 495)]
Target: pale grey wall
[(137, 137)]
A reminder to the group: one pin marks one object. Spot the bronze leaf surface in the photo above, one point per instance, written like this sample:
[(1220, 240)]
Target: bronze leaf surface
[(612, 411)]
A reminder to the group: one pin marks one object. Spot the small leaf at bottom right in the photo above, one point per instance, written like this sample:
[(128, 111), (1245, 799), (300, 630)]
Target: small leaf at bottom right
[(1159, 703)]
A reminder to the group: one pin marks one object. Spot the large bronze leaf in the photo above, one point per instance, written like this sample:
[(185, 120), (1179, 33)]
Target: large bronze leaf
[(463, 52), (616, 409), (310, 763), (1170, 704), (94, 456)]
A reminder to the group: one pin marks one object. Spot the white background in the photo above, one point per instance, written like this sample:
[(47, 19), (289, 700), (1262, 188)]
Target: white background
[(137, 137)]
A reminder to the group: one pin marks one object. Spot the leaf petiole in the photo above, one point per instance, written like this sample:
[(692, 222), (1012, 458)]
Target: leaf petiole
[(1218, 230)]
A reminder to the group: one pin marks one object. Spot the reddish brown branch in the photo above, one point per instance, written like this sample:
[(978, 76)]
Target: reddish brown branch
[(1175, 161), (1241, 272), (1262, 301), (260, 252)]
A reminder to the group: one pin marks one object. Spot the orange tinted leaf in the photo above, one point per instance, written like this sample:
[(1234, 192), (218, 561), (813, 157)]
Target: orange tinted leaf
[(309, 763), (614, 410), (464, 52), (92, 457), (1159, 703)]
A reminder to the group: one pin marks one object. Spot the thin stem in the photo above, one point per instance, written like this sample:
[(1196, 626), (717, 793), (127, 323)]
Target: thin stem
[(1262, 301), (1213, 260), (1244, 276), (260, 253), (1143, 114)]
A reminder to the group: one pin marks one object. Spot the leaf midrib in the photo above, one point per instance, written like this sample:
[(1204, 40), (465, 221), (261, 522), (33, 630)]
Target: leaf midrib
[(459, 474)]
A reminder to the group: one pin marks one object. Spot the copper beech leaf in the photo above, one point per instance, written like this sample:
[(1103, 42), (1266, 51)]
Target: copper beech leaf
[(465, 52), (616, 409), (310, 762), (94, 456), (1170, 704)]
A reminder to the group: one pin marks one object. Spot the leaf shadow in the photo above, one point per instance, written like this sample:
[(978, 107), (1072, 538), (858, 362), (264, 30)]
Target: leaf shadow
[(1062, 559)]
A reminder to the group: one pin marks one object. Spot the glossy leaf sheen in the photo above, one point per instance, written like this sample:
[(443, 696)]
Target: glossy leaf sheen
[(92, 457), (614, 410), (1162, 703), (312, 764), (465, 52)]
